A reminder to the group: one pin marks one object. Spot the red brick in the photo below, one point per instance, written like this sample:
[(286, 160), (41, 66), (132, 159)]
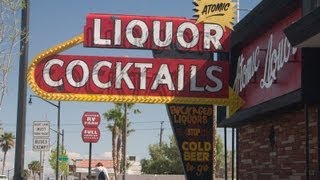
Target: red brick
[(257, 159)]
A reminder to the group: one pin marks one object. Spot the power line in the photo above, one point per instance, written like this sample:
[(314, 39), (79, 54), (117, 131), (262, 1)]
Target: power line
[(80, 124), (104, 130)]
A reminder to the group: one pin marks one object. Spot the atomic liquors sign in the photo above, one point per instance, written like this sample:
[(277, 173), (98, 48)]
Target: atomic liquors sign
[(184, 83), (269, 67), (141, 80)]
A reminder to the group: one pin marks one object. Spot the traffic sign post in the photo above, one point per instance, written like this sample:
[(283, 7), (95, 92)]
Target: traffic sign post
[(41, 144), (63, 158), (41, 128), (91, 119), (41, 136), (90, 133)]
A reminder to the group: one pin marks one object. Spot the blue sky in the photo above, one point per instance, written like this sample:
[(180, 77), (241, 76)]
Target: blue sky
[(52, 22)]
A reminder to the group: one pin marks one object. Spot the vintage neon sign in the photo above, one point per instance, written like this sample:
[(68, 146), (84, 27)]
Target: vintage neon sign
[(233, 101), (221, 12), (268, 67), (276, 57), (123, 77), (193, 128), (147, 32), (137, 74)]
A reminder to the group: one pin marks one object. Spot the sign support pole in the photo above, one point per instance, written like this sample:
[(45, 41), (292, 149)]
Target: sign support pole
[(89, 168)]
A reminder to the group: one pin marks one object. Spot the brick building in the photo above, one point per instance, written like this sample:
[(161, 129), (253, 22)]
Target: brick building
[(274, 61)]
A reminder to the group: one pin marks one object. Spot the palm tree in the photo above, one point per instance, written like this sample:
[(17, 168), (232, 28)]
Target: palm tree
[(35, 168), (26, 174), (117, 117), (6, 143)]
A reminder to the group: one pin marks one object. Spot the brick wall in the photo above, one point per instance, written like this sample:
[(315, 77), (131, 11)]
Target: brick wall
[(274, 147)]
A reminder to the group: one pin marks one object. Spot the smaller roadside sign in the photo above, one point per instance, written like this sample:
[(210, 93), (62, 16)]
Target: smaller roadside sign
[(41, 128), (63, 158), (91, 119), (90, 135), (41, 144)]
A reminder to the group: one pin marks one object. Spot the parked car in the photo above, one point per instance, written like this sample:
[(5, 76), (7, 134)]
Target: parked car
[(3, 177)]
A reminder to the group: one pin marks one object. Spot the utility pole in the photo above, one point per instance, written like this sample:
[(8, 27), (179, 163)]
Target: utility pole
[(161, 131), (124, 141), (62, 134), (58, 143), (22, 92), (41, 166)]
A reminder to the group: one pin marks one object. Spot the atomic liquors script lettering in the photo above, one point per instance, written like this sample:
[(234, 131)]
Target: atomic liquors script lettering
[(276, 57)]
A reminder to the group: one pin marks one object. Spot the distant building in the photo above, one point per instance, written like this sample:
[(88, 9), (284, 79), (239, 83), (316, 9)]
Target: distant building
[(80, 167)]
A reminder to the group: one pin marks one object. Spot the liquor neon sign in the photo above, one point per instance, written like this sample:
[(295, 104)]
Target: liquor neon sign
[(139, 80)]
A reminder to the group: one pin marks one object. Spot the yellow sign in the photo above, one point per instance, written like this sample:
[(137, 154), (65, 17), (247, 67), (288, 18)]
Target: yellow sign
[(222, 12)]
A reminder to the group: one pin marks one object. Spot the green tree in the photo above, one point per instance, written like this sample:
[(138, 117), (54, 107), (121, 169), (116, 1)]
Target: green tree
[(63, 165), (116, 119), (35, 168), (26, 174), (220, 157), (9, 39), (6, 143), (163, 159)]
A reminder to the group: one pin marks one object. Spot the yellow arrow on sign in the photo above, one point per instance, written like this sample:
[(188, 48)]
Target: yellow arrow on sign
[(234, 102)]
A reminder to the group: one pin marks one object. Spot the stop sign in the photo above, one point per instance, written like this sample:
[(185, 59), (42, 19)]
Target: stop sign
[(91, 119), (90, 135)]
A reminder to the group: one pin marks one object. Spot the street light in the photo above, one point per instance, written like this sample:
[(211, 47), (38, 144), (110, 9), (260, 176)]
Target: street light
[(58, 129), (9, 172)]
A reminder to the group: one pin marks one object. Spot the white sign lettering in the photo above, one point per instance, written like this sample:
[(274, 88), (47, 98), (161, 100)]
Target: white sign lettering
[(274, 61), (208, 40), (41, 128), (162, 77), (41, 144)]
